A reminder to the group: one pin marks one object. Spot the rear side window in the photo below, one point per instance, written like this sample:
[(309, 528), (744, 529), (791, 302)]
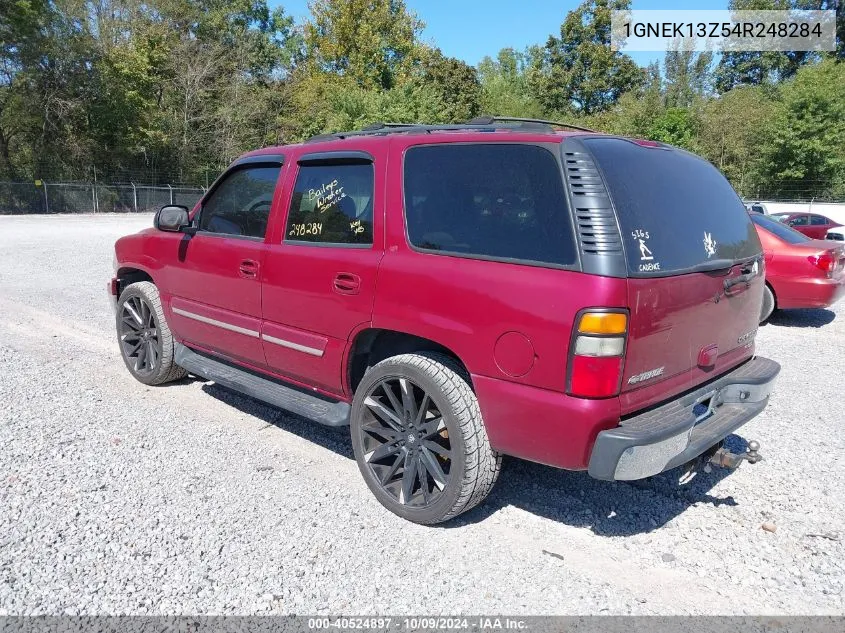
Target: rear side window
[(488, 200), (676, 210), (818, 220), (332, 204)]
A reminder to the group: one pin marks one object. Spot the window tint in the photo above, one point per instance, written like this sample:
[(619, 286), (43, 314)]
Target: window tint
[(788, 235), (819, 220), (489, 200), (799, 220), (676, 210), (240, 205), (332, 204), (757, 208)]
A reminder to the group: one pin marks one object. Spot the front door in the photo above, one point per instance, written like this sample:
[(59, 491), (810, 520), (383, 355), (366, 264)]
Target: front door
[(319, 273), (213, 279), (800, 223)]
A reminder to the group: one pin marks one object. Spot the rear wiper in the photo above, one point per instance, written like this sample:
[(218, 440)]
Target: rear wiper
[(711, 265)]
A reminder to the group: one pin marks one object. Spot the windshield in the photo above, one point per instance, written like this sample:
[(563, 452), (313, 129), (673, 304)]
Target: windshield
[(676, 211), (780, 230)]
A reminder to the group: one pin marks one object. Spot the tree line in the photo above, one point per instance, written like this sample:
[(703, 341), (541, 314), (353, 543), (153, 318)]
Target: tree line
[(173, 90)]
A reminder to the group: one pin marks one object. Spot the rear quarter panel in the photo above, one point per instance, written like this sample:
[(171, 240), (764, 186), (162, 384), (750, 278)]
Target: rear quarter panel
[(468, 304), (510, 324)]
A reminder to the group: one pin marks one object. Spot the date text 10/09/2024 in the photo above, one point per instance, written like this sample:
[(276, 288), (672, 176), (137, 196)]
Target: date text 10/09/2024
[(417, 623)]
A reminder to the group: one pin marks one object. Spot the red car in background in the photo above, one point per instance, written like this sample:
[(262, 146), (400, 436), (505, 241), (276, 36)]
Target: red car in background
[(800, 272), (810, 224)]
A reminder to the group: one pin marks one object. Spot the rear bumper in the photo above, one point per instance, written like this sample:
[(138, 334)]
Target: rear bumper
[(674, 433), (808, 292)]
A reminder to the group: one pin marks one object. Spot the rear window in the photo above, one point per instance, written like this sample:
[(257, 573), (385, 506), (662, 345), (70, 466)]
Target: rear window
[(488, 200), (676, 211), (785, 233)]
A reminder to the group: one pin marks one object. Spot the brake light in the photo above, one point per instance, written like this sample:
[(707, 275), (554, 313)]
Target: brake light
[(597, 354), (825, 262)]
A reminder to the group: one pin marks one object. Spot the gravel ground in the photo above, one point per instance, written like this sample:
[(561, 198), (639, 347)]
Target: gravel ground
[(116, 498)]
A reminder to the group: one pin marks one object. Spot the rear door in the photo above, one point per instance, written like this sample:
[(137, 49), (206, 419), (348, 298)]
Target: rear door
[(320, 271), (818, 226), (695, 271)]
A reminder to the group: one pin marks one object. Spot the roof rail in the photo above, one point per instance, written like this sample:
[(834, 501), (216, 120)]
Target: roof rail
[(376, 129), (489, 120), (485, 124)]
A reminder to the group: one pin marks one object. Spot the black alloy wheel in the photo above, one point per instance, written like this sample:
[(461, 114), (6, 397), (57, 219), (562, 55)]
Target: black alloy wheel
[(405, 442), (139, 336)]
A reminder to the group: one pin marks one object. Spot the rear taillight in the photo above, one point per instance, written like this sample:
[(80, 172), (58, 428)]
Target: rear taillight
[(597, 353), (825, 262)]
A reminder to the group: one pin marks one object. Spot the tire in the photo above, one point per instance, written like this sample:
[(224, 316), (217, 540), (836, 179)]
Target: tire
[(768, 304), (449, 437), (142, 333)]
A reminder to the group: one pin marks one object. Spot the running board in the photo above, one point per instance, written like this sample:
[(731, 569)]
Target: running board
[(324, 411)]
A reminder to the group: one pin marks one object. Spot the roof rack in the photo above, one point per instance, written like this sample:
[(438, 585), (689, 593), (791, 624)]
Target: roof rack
[(489, 120), (478, 124), (376, 129)]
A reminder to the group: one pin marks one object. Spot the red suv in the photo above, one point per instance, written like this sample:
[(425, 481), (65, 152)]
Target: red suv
[(455, 293)]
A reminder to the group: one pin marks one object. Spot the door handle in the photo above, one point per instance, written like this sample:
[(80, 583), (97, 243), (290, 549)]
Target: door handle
[(347, 283), (248, 268)]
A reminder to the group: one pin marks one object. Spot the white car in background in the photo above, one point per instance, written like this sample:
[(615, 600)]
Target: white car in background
[(837, 234), (757, 207)]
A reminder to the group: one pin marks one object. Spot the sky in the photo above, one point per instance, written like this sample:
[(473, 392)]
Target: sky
[(471, 29)]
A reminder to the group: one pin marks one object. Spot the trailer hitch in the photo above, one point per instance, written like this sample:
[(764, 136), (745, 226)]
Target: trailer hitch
[(718, 455), (723, 458)]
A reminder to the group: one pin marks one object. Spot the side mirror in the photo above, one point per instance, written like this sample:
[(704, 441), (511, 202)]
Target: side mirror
[(172, 218)]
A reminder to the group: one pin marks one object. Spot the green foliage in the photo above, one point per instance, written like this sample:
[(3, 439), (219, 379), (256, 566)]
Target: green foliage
[(806, 137), (688, 77), (121, 86), (676, 126), (369, 41), (578, 71), (453, 84), (505, 86), (769, 67), (175, 89), (731, 133)]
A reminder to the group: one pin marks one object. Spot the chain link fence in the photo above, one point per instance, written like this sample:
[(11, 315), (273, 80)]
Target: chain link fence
[(66, 197)]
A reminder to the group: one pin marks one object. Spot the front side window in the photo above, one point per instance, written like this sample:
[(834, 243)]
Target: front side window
[(240, 205), (488, 200), (799, 220), (332, 204)]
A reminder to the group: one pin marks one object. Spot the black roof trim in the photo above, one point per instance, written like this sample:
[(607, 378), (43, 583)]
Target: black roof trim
[(540, 123), (479, 124), (353, 156), (259, 158)]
